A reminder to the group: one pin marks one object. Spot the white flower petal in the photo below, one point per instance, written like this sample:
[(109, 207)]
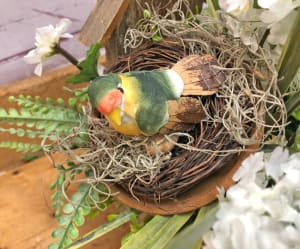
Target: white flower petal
[(46, 38), (266, 4), (63, 26), (258, 217), (38, 69), (237, 7), (278, 156), (247, 172), (280, 30), (278, 10), (67, 35), (32, 57), (44, 35)]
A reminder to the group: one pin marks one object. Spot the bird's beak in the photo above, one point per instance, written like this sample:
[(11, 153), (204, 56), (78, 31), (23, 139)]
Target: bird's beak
[(110, 101)]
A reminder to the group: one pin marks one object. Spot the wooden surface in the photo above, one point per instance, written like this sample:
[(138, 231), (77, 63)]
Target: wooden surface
[(26, 217), (18, 21)]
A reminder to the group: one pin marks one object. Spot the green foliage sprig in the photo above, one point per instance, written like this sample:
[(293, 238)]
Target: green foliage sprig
[(21, 146), (58, 196), (73, 217), (296, 115), (88, 66), (75, 211), (38, 118)]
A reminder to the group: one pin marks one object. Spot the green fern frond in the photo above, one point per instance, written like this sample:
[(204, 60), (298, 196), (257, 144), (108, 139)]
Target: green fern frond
[(39, 118), (80, 98), (53, 120), (37, 104), (31, 133), (58, 197), (74, 216), (20, 146)]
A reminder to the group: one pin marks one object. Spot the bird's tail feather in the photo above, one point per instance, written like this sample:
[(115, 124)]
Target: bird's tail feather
[(201, 74)]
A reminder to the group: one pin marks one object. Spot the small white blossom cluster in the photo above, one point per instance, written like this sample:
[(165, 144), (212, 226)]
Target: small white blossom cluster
[(244, 20), (46, 38), (256, 216)]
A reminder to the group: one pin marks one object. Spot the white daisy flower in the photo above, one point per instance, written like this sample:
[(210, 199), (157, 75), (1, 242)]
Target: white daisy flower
[(254, 216), (46, 39), (236, 8), (278, 16)]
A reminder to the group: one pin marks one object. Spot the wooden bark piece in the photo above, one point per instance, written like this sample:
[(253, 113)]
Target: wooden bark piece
[(103, 20), (199, 75), (119, 16), (183, 115)]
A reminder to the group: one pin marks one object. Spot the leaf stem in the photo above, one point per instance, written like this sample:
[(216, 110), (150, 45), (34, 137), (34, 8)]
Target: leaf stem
[(102, 230), (211, 8), (264, 38), (67, 55), (289, 61)]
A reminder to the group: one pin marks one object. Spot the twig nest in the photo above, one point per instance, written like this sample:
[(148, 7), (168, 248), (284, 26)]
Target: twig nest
[(209, 132)]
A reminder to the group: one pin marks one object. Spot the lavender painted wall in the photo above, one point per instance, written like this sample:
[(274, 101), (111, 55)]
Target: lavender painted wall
[(18, 20)]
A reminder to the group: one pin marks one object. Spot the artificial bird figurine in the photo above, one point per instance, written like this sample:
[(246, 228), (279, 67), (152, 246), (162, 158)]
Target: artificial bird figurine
[(152, 102)]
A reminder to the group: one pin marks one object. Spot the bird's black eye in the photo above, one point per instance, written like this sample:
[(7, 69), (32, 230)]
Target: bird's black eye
[(120, 89)]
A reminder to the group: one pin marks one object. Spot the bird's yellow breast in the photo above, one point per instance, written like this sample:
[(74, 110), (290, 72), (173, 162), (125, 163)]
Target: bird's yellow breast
[(125, 123)]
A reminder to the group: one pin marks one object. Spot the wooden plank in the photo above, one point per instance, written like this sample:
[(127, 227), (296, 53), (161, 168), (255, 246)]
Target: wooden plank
[(26, 217), (102, 21)]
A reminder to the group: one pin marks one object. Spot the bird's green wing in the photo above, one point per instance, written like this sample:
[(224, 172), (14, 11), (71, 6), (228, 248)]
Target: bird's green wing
[(154, 90), (151, 117), (166, 83)]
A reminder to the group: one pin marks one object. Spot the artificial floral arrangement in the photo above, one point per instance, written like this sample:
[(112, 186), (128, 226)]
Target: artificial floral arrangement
[(206, 98)]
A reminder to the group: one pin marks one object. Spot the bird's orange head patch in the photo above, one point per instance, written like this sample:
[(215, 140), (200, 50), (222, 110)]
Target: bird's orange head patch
[(110, 101)]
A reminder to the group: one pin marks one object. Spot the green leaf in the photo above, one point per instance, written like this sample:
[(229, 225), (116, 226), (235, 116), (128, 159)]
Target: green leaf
[(147, 14), (156, 38), (53, 184), (72, 102), (20, 146), (296, 145), (77, 197), (29, 157), (88, 66), (79, 219), (112, 217), (102, 230), (85, 210), (68, 208), (64, 220), (57, 233), (212, 5), (72, 217), (296, 113), (83, 187), (53, 246), (73, 232), (289, 61), (153, 226), (164, 235), (194, 232)]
